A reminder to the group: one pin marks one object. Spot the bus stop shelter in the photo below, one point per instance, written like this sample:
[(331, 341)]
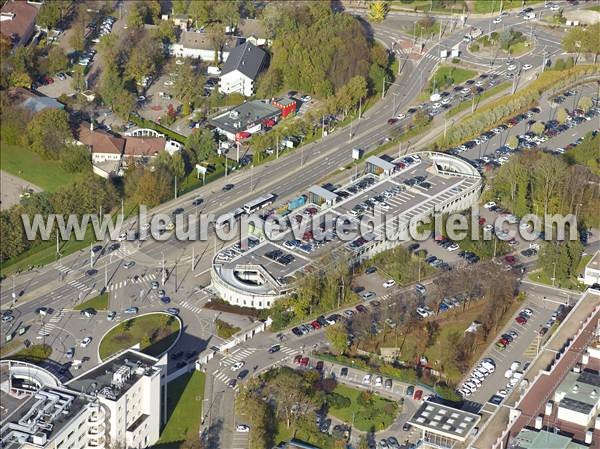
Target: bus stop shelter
[(319, 195), (378, 166)]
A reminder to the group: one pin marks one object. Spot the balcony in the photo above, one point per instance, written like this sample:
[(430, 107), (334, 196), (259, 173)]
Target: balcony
[(96, 442)]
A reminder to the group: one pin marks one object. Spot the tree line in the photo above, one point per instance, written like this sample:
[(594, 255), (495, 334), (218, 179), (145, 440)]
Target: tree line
[(534, 182)]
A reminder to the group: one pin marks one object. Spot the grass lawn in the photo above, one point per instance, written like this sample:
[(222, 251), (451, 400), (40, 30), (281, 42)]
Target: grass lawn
[(488, 6), (35, 354), (480, 98), (519, 48), (594, 8), (155, 333), (226, 330), (446, 76), (317, 439), (571, 284), (100, 302), (184, 410), (379, 415), (22, 162), (45, 253)]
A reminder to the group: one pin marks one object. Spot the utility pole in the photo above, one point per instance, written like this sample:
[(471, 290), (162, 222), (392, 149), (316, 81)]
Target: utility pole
[(383, 88), (175, 186), (238, 152), (360, 108), (553, 273), (105, 276), (277, 147), (193, 258), (175, 277), (91, 257), (323, 126), (163, 270), (123, 207), (225, 165)]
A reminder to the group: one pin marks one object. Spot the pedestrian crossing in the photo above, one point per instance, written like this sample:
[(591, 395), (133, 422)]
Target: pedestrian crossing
[(189, 306), (78, 285), (62, 268), (431, 57), (57, 316), (222, 377), (126, 250), (237, 356), (140, 280)]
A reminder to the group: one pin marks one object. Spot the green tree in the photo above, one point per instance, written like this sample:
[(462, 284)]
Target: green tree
[(378, 10), (538, 128), (124, 104), (75, 158), (269, 83), (227, 13), (111, 84), (154, 188), (57, 59), (49, 15), (77, 39), (585, 103), (512, 142), (202, 144), (200, 12), (421, 118), (136, 16), (48, 132), (145, 58), (180, 6), (177, 165), (78, 79), (562, 115), (337, 336)]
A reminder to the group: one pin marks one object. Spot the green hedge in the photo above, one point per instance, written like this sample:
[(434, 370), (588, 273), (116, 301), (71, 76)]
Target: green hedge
[(143, 123)]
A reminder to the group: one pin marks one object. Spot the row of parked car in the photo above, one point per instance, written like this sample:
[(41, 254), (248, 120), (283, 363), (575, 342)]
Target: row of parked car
[(486, 367)]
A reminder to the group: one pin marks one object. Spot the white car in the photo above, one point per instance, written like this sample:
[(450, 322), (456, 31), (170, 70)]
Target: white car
[(515, 365), (400, 116), (366, 379), (497, 20), (508, 373), (488, 227), (179, 62), (489, 205), (453, 247), (85, 342), (378, 381), (554, 7), (447, 100), (237, 366), (527, 66), (511, 67), (389, 283), (242, 428)]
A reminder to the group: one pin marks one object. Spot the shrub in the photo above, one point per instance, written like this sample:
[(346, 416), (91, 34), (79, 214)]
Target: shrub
[(336, 400)]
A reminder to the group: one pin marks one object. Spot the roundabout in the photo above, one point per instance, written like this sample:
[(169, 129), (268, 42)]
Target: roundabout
[(155, 332)]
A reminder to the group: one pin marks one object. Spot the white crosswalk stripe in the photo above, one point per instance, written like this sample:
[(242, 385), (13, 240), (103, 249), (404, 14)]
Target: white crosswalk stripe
[(193, 308), (78, 285), (124, 283), (238, 355), (289, 351), (62, 269), (222, 377), (57, 317)]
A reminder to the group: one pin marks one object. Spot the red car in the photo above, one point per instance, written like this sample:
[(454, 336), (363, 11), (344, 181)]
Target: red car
[(418, 395), (361, 308), (297, 359), (304, 361), (521, 320), (481, 221), (511, 260), (392, 120), (315, 325), (308, 236), (504, 341)]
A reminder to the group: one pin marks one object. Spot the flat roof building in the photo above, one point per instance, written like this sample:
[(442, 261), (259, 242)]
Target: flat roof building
[(249, 117), (542, 439), (591, 274), (319, 195), (578, 397), (131, 389), (378, 166), (51, 418), (443, 426)]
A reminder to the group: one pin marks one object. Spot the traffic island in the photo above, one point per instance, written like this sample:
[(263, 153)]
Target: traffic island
[(155, 333)]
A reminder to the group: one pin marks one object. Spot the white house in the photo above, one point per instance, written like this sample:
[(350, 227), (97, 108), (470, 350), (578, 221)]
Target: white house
[(197, 45), (241, 69)]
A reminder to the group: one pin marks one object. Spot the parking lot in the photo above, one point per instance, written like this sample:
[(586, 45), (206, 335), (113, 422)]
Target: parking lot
[(517, 353)]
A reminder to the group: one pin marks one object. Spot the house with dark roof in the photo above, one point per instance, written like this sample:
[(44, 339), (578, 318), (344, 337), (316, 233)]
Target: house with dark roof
[(17, 21), (29, 100), (241, 69), (246, 119)]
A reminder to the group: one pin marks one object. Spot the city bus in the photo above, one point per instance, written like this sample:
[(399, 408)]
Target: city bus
[(229, 218), (259, 203)]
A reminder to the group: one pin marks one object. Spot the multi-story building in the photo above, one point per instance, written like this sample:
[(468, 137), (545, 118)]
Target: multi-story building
[(121, 402), (130, 391)]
